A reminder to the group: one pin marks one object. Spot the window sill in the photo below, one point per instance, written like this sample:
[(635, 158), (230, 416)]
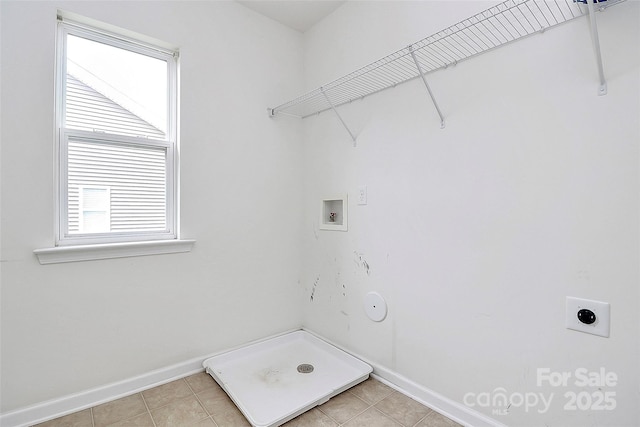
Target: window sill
[(112, 250)]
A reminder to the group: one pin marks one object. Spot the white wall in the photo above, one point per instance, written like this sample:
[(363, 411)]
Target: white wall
[(70, 327), (529, 195), (476, 233)]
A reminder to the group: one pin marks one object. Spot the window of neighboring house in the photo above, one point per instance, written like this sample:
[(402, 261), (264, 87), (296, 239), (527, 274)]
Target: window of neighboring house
[(116, 115), (94, 213)]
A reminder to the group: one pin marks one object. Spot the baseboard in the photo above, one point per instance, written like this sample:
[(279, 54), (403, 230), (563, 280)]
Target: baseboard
[(447, 407), (76, 402), (69, 404), (454, 410)]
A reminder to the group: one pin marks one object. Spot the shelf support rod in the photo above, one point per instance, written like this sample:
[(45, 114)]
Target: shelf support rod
[(339, 116), (424, 80), (596, 44)]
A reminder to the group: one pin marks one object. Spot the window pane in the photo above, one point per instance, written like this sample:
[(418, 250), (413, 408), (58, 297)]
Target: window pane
[(95, 204), (113, 90), (95, 222), (135, 177), (95, 199)]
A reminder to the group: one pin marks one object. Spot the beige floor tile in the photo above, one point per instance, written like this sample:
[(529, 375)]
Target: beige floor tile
[(223, 411), (118, 410), (179, 413), (435, 419), (166, 393), (371, 391), (142, 420), (372, 418), (314, 417), (77, 419), (206, 397), (402, 409), (343, 407), (207, 422), (175, 405), (201, 382)]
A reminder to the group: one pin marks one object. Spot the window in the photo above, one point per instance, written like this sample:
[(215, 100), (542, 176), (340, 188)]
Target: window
[(117, 141), (94, 213)]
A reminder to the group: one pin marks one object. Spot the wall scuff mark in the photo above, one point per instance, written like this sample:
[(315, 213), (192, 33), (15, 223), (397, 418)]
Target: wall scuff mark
[(313, 290), (361, 262)]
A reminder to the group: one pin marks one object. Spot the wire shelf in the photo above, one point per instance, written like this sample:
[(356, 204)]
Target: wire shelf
[(497, 26)]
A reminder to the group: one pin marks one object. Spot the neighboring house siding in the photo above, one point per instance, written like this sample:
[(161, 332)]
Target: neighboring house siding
[(135, 175), (89, 110)]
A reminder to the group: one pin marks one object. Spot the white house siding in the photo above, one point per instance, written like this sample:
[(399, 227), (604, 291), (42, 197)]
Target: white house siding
[(89, 110), (135, 175)]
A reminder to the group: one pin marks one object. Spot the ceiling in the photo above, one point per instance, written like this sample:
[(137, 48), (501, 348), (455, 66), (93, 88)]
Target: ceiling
[(300, 15)]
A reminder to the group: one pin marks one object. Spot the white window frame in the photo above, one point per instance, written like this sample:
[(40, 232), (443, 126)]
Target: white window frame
[(63, 136)]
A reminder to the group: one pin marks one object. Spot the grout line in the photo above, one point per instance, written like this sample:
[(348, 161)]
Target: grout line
[(203, 407), (148, 410), (124, 419), (199, 421), (388, 416), (425, 417), (188, 385), (356, 415), (200, 401), (209, 415)]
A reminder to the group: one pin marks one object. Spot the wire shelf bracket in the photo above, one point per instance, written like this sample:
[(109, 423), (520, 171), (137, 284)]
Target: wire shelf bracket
[(497, 26), (353, 137), (424, 80), (596, 45)]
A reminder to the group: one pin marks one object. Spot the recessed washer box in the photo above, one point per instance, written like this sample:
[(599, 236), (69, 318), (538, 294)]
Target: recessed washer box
[(274, 381), (333, 213)]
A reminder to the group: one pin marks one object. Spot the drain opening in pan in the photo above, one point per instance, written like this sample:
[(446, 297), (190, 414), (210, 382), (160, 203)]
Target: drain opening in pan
[(305, 368)]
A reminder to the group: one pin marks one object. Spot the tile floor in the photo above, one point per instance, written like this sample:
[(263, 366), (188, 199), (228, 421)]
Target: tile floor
[(198, 401)]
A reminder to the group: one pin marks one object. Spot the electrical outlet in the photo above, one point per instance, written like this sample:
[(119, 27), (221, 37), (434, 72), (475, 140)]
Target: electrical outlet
[(362, 195), (592, 317)]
